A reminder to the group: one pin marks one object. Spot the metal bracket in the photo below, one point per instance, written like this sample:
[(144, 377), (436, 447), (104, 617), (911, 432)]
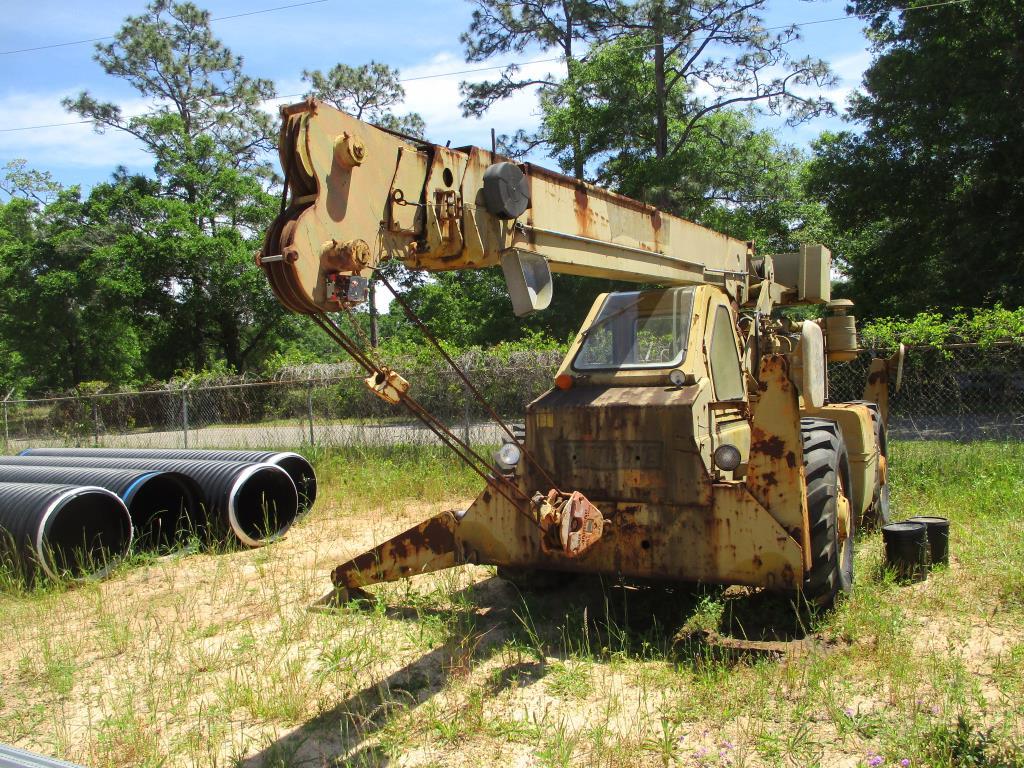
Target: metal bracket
[(347, 290)]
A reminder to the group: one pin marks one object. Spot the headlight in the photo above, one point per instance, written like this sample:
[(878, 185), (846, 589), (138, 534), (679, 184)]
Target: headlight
[(508, 456), (727, 457)]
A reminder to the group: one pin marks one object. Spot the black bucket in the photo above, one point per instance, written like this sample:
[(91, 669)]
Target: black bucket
[(938, 537), (906, 550)]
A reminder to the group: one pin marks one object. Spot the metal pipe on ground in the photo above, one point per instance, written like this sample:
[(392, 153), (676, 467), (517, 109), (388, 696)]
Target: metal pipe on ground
[(64, 530), (165, 506), (256, 503), (297, 466)]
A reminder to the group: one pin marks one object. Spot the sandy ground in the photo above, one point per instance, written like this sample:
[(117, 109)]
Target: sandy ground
[(229, 659)]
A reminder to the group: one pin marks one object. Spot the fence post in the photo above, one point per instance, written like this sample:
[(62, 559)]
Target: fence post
[(184, 413), (95, 423), (7, 437), (309, 409)]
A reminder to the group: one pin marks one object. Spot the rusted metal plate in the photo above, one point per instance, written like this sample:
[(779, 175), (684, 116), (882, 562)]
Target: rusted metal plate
[(775, 473), (620, 443)]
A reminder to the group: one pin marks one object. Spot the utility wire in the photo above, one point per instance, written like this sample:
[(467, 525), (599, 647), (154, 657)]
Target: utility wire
[(460, 71), (111, 37)]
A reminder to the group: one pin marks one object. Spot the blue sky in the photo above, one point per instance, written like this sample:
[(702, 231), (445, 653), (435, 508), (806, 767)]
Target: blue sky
[(418, 36)]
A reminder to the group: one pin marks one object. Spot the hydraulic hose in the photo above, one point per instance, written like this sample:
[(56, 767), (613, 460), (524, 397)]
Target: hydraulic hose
[(256, 503), (297, 467), (163, 505), (64, 530)]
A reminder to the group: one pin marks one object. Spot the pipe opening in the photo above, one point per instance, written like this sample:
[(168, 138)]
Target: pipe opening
[(83, 532), (262, 504), (163, 512), (301, 472)]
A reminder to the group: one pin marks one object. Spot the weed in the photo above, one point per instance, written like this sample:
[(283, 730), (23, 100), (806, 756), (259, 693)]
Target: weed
[(569, 681)]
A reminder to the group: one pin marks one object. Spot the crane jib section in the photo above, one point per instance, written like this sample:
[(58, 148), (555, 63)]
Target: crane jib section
[(359, 195)]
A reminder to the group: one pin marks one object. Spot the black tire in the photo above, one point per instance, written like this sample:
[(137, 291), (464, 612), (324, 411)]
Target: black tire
[(878, 514), (827, 471)]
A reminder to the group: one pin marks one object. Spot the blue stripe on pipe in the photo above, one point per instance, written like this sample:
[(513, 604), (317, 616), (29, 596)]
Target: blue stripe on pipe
[(130, 490)]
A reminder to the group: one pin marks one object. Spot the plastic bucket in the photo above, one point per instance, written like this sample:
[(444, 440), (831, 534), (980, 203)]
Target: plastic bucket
[(906, 549), (938, 537)]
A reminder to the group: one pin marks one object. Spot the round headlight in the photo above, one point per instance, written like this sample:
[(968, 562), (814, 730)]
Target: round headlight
[(508, 456), (727, 457), (677, 377)]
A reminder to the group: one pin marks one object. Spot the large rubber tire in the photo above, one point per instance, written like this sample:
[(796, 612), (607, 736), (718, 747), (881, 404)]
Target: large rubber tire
[(878, 514), (827, 471)]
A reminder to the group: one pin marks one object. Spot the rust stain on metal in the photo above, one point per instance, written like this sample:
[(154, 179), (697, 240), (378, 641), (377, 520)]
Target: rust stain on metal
[(581, 209), (434, 535), (770, 445)]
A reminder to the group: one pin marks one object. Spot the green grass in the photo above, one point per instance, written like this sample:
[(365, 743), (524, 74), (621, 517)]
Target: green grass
[(215, 658)]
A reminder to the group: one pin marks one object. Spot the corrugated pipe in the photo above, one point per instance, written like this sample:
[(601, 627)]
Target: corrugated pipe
[(163, 505), (65, 530), (297, 467), (255, 502)]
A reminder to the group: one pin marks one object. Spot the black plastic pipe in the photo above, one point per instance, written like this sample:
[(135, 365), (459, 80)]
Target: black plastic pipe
[(297, 467), (256, 503), (65, 530), (163, 505)]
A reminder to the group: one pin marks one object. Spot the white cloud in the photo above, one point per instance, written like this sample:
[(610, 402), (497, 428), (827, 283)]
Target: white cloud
[(437, 99), (850, 70), (66, 146)]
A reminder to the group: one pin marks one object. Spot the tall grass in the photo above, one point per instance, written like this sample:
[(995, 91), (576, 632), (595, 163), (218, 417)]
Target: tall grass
[(206, 658)]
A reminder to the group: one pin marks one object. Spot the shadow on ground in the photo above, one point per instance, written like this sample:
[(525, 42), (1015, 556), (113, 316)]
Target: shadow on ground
[(583, 618)]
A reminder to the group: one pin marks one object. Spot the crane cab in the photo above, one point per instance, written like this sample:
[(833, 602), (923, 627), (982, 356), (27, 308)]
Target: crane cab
[(674, 357)]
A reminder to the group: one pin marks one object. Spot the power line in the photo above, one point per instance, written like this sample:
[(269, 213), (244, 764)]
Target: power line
[(466, 71), (479, 69), (111, 37), (48, 125)]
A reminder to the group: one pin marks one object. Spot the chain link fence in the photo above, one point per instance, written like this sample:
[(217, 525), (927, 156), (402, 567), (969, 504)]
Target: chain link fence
[(960, 392), (956, 393)]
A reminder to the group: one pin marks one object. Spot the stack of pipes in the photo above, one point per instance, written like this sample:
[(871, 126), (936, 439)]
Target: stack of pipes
[(73, 512)]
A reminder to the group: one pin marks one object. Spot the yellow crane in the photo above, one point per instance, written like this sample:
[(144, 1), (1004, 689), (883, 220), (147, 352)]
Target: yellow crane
[(688, 434)]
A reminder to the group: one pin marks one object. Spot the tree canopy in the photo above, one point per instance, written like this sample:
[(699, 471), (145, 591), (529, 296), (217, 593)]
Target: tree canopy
[(926, 197), (151, 274)]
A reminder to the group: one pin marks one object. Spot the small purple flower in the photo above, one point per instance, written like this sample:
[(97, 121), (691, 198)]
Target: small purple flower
[(875, 760), (728, 744), (905, 762), (847, 711)]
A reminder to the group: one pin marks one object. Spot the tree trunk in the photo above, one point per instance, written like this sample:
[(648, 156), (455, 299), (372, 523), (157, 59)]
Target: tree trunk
[(661, 120), (578, 161), (372, 296), (660, 97)]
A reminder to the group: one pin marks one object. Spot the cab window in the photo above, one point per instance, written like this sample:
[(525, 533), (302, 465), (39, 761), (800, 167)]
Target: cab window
[(638, 329)]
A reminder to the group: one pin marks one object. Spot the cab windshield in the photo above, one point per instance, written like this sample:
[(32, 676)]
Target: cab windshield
[(638, 329)]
